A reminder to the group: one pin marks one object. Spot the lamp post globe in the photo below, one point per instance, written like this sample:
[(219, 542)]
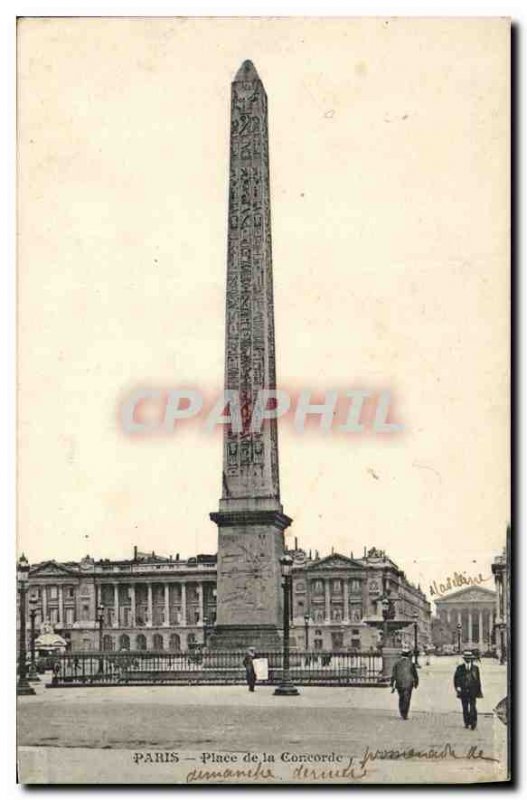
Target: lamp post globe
[(22, 686), (286, 686)]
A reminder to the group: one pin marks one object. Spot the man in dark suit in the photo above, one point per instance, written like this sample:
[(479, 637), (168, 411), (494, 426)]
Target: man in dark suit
[(405, 679), (250, 674), (467, 683)]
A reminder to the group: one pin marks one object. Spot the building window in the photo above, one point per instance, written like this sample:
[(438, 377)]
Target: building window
[(336, 614), (318, 615), (85, 613), (70, 592), (318, 633), (140, 641), (318, 587), (337, 640), (124, 642), (337, 586), (318, 644), (70, 616), (355, 586), (54, 616), (107, 643), (174, 642), (53, 592), (158, 642), (355, 644)]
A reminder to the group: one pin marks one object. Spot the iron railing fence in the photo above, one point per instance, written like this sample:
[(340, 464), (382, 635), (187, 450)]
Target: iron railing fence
[(134, 668)]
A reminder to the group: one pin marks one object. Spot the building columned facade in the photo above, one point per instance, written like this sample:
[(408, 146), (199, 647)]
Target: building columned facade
[(156, 603), (337, 598), (147, 603), (500, 570), (472, 608)]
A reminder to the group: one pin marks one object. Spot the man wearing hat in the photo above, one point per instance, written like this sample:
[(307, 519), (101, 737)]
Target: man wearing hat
[(250, 674), (467, 684), (405, 679)]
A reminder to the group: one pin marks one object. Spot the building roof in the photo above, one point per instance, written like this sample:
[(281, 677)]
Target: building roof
[(469, 594), (332, 561)]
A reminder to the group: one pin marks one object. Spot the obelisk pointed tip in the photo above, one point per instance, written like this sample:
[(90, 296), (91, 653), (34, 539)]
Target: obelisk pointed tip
[(247, 72)]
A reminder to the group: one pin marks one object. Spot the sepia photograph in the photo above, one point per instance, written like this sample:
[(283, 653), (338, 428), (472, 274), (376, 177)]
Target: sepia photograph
[(263, 400)]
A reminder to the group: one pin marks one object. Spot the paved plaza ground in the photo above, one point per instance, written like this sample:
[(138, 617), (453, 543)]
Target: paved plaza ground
[(171, 734)]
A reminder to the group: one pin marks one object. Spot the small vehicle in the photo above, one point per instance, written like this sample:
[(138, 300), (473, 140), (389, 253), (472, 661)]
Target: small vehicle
[(46, 660)]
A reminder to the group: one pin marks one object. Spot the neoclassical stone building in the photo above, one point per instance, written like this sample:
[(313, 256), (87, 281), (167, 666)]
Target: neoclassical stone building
[(335, 597), (474, 609), (154, 603), (147, 602), (500, 570)]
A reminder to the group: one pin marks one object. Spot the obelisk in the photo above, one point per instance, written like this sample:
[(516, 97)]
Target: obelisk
[(250, 519)]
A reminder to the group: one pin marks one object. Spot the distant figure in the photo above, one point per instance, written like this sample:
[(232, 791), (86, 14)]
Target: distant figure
[(467, 684), (250, 674), (405, 679), (56, 673)]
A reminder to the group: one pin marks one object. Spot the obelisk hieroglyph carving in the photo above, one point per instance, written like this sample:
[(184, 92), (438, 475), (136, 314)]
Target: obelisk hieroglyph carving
[(250, 520)]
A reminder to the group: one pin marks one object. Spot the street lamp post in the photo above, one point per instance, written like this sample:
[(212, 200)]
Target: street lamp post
[(100, 622), (503, 645), (33, 674), (286, 686), (385, 610), (306, 630), (458, 626), (206, 623), (416, 650), (23, 686)]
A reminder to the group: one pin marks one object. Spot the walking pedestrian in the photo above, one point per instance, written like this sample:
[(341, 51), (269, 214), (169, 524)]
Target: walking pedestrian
[(405, 679), (250, 674), (467, 683)]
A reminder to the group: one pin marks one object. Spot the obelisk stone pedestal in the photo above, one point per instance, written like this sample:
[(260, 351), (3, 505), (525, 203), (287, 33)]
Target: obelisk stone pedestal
[(249, 595)]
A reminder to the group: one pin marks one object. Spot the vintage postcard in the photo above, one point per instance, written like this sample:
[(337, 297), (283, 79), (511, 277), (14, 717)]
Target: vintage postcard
[(263, 400)]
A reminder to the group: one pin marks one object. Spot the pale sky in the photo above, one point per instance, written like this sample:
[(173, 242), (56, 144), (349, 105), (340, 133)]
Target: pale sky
[(390, 189)]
